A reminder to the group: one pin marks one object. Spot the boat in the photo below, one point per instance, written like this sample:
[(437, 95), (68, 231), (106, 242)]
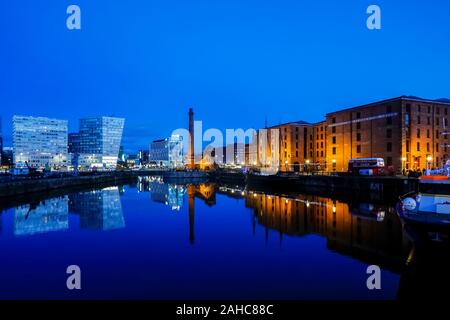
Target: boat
[(428, 209)]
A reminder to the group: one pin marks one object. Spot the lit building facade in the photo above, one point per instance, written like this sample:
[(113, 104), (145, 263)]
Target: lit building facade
[(407, 132), (296, 150), (40, 142), (97, 143), (168, 152)]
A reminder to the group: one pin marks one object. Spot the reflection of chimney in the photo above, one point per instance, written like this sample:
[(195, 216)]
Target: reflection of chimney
[(191, 203), (191, 142)]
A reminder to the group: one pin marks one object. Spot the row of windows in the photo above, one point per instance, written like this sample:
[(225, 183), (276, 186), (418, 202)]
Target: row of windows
[(428, 108), (419, 120), (428, 147), (389, 148), (389, 135)]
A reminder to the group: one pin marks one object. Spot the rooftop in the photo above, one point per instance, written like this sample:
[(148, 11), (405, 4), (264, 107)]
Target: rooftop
[(404, 97), (292, 123)]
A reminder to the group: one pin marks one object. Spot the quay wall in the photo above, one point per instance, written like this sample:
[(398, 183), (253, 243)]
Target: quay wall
[(33, 185)]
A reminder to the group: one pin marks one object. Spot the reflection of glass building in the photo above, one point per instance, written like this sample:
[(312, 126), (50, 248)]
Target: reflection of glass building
[(48, 215), (169, 194), (98, 209), (97, 143), (167, 152), (40, 142)]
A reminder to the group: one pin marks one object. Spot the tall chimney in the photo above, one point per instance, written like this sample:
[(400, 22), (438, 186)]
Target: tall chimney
[(191, 142)]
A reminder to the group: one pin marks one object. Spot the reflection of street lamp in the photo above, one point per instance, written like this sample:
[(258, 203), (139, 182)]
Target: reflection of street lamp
[(429, 159)]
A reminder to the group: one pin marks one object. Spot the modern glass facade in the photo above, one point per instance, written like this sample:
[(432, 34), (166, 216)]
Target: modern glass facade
[(40, 142), (97, 143), (167, 152)]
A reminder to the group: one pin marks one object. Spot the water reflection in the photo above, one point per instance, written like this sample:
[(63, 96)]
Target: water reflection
[(367, 232), (45, 216), (169, 194), (267, 228), (98, 209), (372, 233)]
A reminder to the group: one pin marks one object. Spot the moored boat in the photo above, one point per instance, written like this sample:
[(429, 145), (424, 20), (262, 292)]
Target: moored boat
[(429, 208)]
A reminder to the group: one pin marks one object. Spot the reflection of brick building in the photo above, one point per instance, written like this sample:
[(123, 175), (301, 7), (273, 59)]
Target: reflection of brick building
[(347, 230)]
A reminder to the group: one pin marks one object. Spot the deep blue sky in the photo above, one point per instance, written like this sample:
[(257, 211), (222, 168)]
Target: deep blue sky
[(235, 61)]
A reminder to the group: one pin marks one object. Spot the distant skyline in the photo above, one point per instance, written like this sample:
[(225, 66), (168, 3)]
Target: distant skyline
[(236, 63)]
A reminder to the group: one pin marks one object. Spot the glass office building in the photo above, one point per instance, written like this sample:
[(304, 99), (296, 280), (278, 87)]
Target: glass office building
[(167, 152), (97, 143), (40, 142)]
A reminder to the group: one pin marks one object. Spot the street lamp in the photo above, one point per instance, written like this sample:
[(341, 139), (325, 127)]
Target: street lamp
[(403, 163), (334, 164), (429, 159), (286, 163), (307, 165)]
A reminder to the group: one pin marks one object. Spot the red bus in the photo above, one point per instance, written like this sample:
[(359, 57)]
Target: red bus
[(366, 166)]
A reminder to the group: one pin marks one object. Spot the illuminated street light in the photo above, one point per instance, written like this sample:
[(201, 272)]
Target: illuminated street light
[(334, 164), (403, 163), (429, 159)]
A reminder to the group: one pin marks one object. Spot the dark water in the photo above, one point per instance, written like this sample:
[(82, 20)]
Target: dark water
[(164, 241)]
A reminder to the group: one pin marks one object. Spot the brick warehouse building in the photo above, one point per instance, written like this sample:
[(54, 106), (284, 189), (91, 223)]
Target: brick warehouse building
[(404, 131)]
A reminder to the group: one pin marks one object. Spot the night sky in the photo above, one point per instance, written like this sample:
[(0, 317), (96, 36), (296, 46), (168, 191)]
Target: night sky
[(236, 62)]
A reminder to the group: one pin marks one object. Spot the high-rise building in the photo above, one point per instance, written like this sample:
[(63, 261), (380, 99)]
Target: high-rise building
[(97, 143), (40, 142), (168, 152)]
